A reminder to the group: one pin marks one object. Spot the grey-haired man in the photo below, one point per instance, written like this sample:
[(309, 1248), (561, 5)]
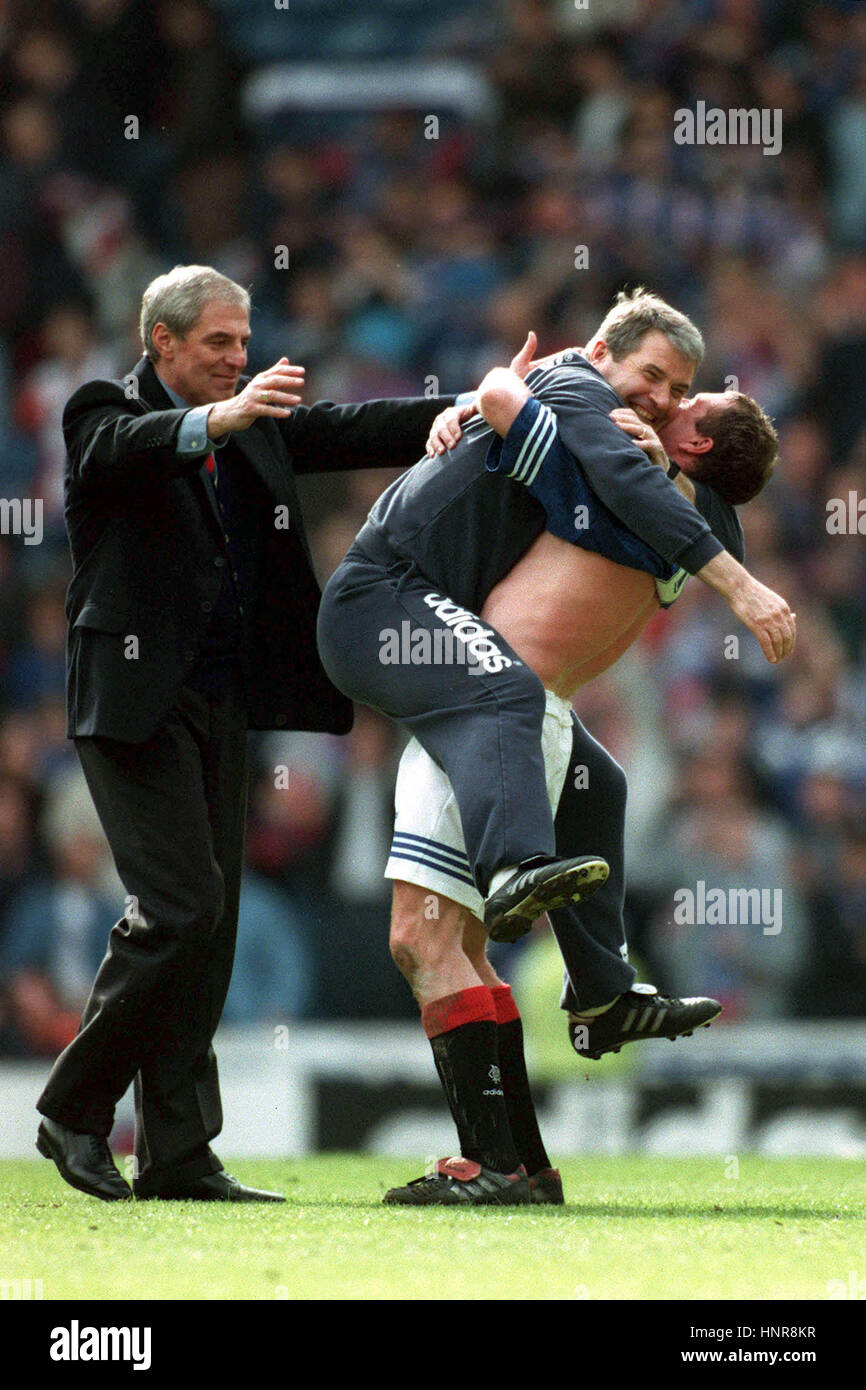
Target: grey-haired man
[(192, 611)]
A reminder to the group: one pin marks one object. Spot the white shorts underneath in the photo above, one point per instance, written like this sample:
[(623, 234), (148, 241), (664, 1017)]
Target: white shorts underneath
[(428, 846)]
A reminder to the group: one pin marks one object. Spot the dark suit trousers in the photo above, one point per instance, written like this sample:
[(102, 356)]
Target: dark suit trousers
[(173, 809)]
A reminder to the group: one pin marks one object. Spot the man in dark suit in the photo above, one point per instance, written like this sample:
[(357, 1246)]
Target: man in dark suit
[(192, 615)]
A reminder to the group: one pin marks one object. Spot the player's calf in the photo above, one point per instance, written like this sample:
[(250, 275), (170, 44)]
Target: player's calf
[(427, 951)]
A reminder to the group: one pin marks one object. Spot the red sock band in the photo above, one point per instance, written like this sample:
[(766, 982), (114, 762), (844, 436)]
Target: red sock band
[(466, 1006), (503, 1003)]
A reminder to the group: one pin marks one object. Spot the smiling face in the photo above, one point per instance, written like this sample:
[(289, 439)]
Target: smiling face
[(652, 379), (683, 441), (204, 366)]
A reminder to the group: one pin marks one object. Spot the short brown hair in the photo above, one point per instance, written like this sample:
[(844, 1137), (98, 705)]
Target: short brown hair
[(744, 453), (635, 313)]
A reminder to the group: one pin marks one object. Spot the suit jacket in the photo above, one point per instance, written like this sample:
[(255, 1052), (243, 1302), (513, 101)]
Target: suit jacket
[(148, 552)]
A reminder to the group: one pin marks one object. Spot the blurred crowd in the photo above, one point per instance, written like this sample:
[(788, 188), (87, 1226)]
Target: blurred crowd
[(419, 253)]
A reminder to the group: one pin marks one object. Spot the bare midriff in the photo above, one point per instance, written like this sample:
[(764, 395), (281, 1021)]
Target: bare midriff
[(569, 613)]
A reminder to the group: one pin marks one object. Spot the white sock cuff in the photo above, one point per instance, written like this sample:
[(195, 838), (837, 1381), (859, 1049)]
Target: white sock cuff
[(500, 876)]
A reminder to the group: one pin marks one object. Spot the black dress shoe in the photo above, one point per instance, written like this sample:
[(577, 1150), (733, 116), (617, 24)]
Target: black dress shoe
[(212, 1187), (83, 1160)]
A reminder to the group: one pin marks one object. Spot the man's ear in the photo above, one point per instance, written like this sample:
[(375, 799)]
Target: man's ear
[(701, 444), (597, 350), (163, 340)]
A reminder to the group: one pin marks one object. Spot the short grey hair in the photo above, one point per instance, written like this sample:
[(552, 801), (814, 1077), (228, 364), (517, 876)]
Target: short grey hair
[(638, 312), (178, 298)]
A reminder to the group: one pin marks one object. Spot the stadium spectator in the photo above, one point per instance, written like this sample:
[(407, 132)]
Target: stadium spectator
[(274, 976), (749, 951), (57, 924), (71, 355)]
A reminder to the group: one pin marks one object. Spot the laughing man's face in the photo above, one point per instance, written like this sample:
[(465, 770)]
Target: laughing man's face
[(652, 379)]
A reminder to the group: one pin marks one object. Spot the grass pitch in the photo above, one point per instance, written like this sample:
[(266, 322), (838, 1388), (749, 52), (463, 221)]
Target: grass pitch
[(633, 1227)]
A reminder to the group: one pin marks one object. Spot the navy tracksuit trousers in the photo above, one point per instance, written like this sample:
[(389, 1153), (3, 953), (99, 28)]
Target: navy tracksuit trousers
[(390, 640)]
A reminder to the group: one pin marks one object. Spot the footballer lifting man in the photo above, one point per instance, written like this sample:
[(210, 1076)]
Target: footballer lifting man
[(485, 815)]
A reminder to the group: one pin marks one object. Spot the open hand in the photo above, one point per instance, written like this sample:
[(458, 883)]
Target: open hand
[(272, 393), (767, 615), (446, 430)]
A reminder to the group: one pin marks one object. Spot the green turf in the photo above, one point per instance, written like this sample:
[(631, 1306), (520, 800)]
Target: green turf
[(633, 1227)]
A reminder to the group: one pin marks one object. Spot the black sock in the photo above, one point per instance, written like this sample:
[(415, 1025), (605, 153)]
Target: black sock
[(515, 1082), (468, 1065)]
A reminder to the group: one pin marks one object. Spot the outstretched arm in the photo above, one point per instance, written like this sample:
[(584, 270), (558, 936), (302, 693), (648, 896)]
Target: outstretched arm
[(326, 437)]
